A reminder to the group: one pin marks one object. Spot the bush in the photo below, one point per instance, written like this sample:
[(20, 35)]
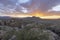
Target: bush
[(33, 34)]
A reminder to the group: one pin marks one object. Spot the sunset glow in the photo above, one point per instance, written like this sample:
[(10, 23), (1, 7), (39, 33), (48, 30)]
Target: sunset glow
[(36, 14), (44, 9)]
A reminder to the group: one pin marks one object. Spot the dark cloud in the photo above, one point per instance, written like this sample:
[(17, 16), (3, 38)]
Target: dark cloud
[(48, 4), (42, 5), (8, 2)]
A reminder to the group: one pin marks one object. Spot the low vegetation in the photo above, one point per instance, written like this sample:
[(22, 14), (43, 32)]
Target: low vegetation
[(29, 29)]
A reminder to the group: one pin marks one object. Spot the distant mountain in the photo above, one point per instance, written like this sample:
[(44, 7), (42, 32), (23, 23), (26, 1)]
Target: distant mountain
[(5, 17)]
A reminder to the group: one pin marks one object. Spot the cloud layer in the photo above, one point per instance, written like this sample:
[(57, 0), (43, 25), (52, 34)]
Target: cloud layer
[(26, 6)]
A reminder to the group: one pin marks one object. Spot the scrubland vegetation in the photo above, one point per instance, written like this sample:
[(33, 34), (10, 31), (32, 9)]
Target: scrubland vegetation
[(30, 28)]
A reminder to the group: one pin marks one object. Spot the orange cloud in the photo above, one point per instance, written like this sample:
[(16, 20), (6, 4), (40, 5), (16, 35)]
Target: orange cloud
[(36, 13)]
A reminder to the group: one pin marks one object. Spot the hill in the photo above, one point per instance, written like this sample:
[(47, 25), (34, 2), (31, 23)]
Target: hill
[(30, 28)]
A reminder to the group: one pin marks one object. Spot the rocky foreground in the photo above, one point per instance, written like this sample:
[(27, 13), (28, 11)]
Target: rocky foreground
[(30, 28)]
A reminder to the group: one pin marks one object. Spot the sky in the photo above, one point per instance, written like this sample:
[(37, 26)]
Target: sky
[(45, 7)]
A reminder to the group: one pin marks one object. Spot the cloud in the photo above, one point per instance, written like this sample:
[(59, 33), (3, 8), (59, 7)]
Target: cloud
[(55, 8), (28, 5), (23, 1), (24, 10), (48, 4)]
